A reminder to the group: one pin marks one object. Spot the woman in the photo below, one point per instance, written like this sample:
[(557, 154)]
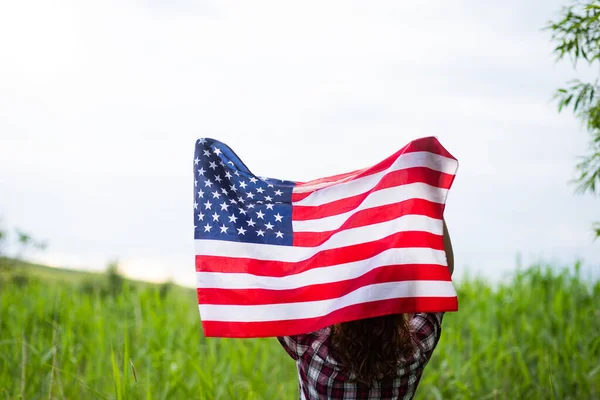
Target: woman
[(375, 358)]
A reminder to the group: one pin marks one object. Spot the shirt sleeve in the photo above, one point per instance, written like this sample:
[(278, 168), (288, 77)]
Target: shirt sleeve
[(297, 345), (290, 345), (427, 328)]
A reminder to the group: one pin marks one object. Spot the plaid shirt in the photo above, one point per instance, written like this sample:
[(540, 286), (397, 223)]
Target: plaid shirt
[(320, 376)]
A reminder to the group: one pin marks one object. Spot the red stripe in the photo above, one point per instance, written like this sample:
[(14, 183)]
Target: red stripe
[(324, 258), (394, 178), (324, 291), (429, 144), (373, 216), (300, 196), (350, 313), (332, 178)]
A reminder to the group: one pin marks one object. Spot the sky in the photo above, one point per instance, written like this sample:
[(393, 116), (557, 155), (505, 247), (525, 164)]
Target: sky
[(101, 104)]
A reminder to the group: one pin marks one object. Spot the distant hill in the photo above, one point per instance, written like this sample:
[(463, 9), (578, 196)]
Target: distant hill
[(11, 267), (13, 270)]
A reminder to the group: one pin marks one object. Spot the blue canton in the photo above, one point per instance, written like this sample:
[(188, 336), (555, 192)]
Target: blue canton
[(230, 203)]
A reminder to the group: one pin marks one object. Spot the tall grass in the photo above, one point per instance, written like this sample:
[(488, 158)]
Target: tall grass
[(536, 337)]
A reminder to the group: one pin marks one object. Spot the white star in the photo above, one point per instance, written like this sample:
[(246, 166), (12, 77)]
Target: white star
[(259, 202), (208, 184), (268, 198), (212, 165), (236, 173), (224, 206), (278, 192), (216, 195), (217, 151), (195, 182), (196, 161), (278, 217), (251, 222), (269, 206), (228, 175), (250, 195), (232, 201), (260, 232), (215, 217), (242, 211), (233, 188), (207, 228), (269, 225), (260, 215), (207, 205), (200, 217), (241, 231), (230, 163), (223, 229), (201, 141), (253, 180), (243, 184), (279, 234), (218, 179), (195, 205), (200, 193), (201, 171), (232, 218), (269, 185), (240, 199), (250, 205), (260, 190), (221, 163), (224, 191), (207, 153)]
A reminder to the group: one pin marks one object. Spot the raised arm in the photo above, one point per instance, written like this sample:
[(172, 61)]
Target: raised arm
[(448, 249)]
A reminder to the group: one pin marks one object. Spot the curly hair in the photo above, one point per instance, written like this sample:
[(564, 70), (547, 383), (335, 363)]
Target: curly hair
[(372, 348)]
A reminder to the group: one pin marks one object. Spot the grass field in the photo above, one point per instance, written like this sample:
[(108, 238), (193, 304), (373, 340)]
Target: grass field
[(84, 336)]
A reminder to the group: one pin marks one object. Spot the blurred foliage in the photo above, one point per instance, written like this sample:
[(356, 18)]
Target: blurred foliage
[(576, 35), (27, 242), (23, 240), (3, 237), (114, 278)]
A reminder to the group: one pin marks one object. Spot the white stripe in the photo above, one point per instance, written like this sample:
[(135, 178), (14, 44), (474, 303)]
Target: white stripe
[(313, 309), (362, 185), (382, 197), (348, 237), (315, 276)]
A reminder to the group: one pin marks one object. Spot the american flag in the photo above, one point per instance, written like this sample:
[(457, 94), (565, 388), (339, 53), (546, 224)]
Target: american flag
[(276, 257)]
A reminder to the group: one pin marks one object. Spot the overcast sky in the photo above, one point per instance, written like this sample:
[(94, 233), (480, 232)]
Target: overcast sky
[(101, 103)]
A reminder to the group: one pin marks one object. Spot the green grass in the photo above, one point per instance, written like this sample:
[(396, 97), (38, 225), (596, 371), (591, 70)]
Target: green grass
[(77, 336)]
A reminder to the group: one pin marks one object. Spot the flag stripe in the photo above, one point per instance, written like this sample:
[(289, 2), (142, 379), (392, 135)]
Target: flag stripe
[(313, 309), (363, 184), (350, 313), (414, 224), (370, 204), (371, 216), (207, 277), (433, 253), (419, 145), (393, 179), (321, 291)]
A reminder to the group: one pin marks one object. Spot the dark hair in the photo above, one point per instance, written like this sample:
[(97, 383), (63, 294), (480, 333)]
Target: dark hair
[(372, 348)]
